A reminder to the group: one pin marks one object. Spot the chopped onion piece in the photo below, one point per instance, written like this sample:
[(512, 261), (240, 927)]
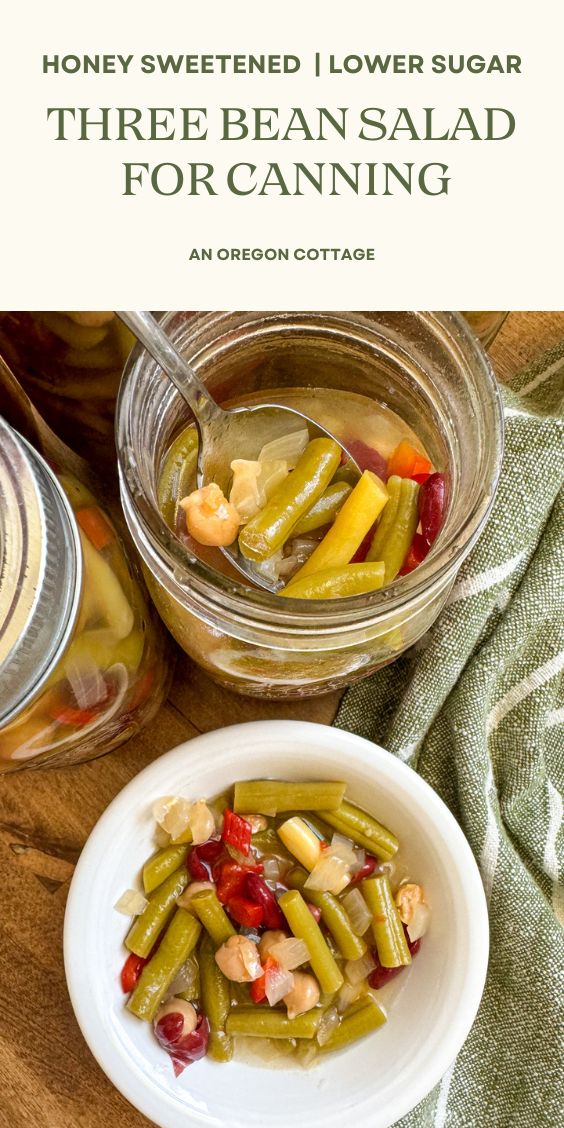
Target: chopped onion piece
[(161, 837), (360, 856), (288, 447), (330, 875), (87, 684), (290, 953), (327, 1026), (356, 970), (273, 867), (357, 911), (271, 568), (308, 1052), (348, 994), (187, 978), (131, 903), (253, 484), (343, 848), (201, 822), (419, 922), (278, 982), (172, 814)]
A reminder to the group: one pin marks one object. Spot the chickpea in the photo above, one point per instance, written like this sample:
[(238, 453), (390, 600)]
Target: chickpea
[(407, 897), (256, 822), (268, 940), (179, 1006), (210, 518), (238, 959), (304, 994), (185, 899)]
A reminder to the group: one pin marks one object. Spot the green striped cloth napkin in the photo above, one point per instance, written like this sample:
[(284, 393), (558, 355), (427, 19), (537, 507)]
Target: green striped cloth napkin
[(476, 707)]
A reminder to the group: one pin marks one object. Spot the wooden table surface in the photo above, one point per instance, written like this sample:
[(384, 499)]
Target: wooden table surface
[(48, 1076)]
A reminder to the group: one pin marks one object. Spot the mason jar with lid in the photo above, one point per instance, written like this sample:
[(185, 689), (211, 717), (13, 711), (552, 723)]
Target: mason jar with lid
[(83, 659), (427, 368)]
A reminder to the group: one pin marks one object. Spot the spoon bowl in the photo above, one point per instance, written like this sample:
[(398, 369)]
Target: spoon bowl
[(239, 432)]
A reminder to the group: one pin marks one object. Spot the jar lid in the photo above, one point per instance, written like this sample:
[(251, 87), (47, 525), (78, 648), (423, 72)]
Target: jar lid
[(40, 572)]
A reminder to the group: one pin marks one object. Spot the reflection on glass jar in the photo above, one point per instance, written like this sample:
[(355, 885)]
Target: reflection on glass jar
[(83, 663), (70, 364), (433, 381), (486, 324)]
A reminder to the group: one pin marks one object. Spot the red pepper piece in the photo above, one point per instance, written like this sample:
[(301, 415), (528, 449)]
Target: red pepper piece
[(236, 832), (367, 457), (182, 1050), (70, 715), (231, 878), (246, 913), (432, 499), (379, 976), (131, 971), (420, 478), (200, 858), (366, 870), (258, 986), (406, 461), (417, 552), (258, 891)]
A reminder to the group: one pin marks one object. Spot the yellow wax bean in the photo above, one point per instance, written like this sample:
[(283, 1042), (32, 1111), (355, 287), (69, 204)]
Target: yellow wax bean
[(354, 519), (335, 583)]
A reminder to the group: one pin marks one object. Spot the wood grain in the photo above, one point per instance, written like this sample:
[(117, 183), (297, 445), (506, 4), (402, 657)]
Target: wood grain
[(49, 1077)]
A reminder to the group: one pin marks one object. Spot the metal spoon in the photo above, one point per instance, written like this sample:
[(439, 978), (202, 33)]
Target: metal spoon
[(239, 432)]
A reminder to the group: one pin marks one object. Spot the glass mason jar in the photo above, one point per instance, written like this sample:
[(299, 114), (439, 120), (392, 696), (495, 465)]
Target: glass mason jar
[(83, 661), (426, 367), (485, 323), (70, 364)]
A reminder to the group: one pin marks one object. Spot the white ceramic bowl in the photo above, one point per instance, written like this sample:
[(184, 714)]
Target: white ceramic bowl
[(372, 1083)]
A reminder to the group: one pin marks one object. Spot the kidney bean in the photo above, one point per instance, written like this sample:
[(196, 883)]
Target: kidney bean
[(315, 912), (258, 891), (417, 552), (182, 1051), (201, 857), (367, 458), (379, 976), (432, 500), (366, 870)]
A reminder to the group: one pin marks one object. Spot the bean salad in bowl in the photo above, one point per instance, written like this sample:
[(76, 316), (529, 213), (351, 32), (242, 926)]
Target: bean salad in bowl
[(328, 963)]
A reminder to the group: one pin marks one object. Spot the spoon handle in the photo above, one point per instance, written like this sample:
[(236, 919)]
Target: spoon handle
[(148, 331)]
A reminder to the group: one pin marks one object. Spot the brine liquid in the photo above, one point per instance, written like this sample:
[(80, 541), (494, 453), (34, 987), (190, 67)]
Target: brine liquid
[(346, 415)]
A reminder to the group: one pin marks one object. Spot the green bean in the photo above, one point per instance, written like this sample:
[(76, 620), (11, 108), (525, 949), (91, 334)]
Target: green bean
[(396, 545), (191, 989), (216, 1002), (387, 928), (267, 841), (178, 941), (151, 921), (387, 520), (351, 525), (337, 583), (324, 511), (333, 915), (305, 928), (357, 1021), (213, 917), (363, 829), (271, 526), (260, 1022), (161, 865), (270, 796)]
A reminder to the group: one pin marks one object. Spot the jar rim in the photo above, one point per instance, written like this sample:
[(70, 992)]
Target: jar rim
[(240, 599), (40, 572)]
